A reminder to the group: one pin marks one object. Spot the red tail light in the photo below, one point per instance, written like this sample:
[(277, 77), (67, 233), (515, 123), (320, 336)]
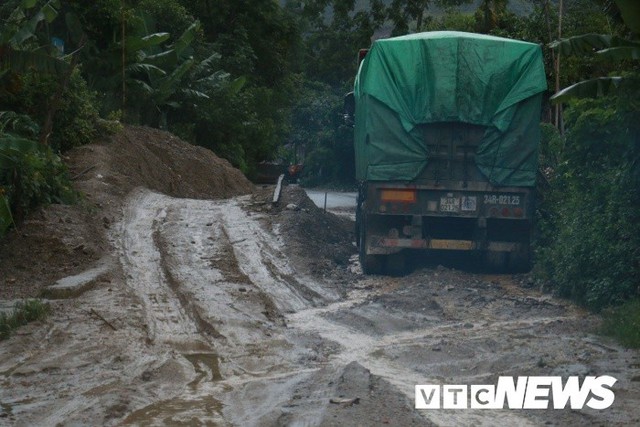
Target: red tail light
[(398, 195)]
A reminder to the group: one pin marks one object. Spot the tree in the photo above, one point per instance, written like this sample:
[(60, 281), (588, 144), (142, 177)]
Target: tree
[(410, 15), (608, 47), (334, 32)]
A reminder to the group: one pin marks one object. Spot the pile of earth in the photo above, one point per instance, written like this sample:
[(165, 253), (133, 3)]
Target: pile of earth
[(317, 242), (61, 240)]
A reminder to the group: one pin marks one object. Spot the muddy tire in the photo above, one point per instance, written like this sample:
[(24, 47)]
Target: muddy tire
[(371, 264)]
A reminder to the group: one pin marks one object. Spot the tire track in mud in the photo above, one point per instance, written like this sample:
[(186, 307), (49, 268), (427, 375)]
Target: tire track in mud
[(141, 259), (203, 325), (213, 282)]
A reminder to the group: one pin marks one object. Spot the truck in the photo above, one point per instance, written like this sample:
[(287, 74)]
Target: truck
[(446, 135)]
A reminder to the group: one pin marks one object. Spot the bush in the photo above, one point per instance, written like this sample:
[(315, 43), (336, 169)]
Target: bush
[(590, 228), (593, 255), (623, 323), (41, 179), (75, 120), (23, 313), (29, 178)]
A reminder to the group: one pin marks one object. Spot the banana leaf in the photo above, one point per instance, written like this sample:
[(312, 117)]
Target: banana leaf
[(621, 53), (186, 38), (13, 147), (134, 44), (593, 88)]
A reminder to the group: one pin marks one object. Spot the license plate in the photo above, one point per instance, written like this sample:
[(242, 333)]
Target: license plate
[(449, 204), (502, 199)]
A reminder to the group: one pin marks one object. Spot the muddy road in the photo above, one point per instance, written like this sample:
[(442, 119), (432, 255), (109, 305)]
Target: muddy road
[(213, 313)]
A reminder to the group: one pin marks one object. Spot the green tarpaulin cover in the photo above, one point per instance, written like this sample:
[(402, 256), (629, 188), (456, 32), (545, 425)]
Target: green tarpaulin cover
[(448, 76)]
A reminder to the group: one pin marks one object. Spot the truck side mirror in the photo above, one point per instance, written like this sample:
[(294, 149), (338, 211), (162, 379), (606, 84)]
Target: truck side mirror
[(349, 109)]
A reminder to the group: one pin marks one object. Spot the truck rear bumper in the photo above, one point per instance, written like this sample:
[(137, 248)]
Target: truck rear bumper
[(385, 246)]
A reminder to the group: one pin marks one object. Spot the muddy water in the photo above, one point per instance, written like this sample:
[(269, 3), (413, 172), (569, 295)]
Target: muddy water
[(214, 325)]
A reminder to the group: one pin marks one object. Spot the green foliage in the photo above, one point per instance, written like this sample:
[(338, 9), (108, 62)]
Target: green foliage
[(22, 46), (6, 218), (12, 149), (167, 15), (623, 323), (609, 48), (111, 125), (30, 174), (331, 47), (410, 16), (75, 119), (42, 179), (239, 125), (23, 313), (319, 137), (237, 101), (452, 20), (590, 243), (551, 148), (158, 77)]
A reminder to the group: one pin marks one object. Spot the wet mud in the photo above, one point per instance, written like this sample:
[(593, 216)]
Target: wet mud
[(222, 312)]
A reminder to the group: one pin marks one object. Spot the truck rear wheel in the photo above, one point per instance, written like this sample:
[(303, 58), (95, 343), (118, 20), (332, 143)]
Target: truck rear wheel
[(371, 264)]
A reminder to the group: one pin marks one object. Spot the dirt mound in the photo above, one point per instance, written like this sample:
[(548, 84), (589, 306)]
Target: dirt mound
[(319, 242), (162, 162), (157, 160), (58, 241)]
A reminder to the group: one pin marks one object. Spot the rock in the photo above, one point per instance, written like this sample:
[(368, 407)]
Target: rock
[(73, 286), (343, 401), (292, 207)]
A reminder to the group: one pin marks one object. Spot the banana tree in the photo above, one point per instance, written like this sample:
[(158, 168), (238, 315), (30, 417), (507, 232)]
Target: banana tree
[(606, 46), (157, 72), (20, 48), (171, 77)]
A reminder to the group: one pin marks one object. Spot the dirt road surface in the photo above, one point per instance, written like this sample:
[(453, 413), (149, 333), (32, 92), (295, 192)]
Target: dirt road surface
[(209, 323), (237, 312)]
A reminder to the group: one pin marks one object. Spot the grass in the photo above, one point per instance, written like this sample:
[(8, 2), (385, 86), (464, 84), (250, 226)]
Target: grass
[(623, 323), (23, 313)]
